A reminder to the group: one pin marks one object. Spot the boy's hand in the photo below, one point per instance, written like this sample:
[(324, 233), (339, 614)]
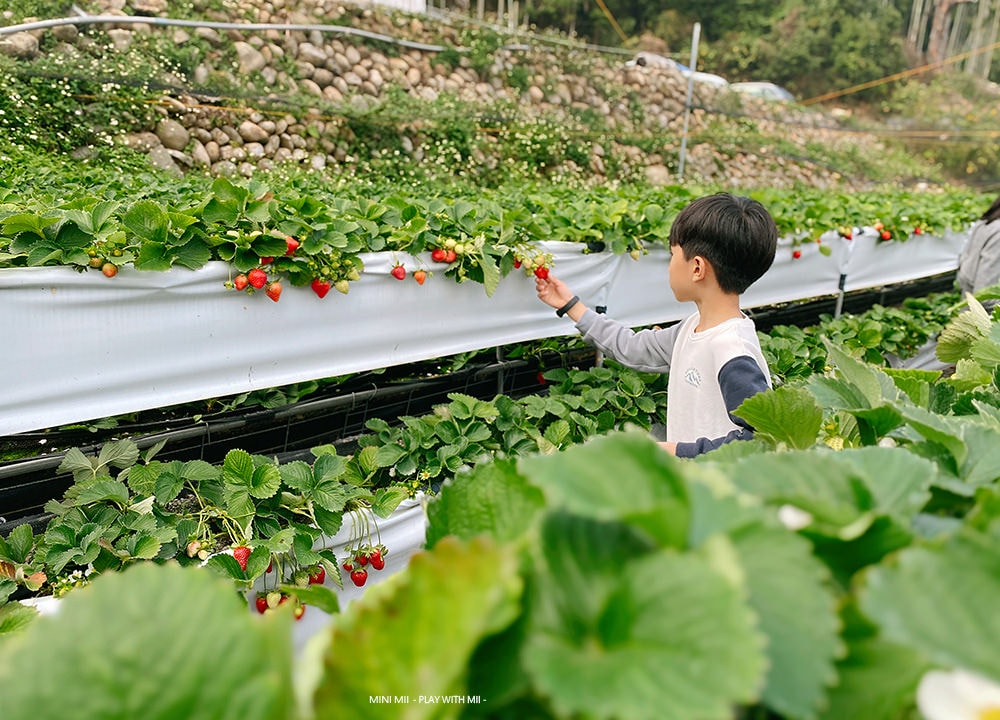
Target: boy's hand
[(552, 291)]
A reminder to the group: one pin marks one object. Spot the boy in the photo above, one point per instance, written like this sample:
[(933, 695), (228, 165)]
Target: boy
[(720, 244)]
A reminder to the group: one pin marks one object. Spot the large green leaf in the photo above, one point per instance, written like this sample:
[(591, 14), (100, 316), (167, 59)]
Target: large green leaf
[(813, 480), (899, 481), (157, 642), (941, 600), (492, 498), (620, 631), (791, 592), (787, 415), (413, 635), (878, 681), (617, 476)]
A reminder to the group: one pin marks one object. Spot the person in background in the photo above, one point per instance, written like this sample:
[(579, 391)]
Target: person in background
[(720, 244), (979, 261)]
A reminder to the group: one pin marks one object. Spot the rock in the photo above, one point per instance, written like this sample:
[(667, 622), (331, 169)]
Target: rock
[(172, 134), (161, 158), (251, 60), (66, 33), (22, 46), (252, 132)]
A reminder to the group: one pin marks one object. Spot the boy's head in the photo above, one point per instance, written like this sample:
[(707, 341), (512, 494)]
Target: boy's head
[(735, 234)]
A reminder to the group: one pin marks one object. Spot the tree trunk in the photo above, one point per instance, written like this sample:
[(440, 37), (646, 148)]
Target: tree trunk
[(940, 27)]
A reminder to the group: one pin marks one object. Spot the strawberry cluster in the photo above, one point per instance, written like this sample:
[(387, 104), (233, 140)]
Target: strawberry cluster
[(363, 557), (533, 262)]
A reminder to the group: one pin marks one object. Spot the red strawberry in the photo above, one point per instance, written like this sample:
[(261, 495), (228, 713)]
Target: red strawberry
[(274, 290), (796, 254), (918, 230), (399, 272), (266, 260), (886, 235), (320, 287), (420, 276), (242, 554), (257, 278), (361, 558), (299, 611), (376, 559), (261, 604), (541, 272), (438, 255), (317, 576), (240, 282), (270, 566), (293, 245), (517, 263), (109, 269), (450, 256), (359, 576)]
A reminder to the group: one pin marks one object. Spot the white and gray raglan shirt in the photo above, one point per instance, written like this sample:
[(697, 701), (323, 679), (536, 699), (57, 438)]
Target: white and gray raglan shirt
[(711, 373)]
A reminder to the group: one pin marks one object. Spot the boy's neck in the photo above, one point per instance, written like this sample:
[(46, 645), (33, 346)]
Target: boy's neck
[(717, 309)]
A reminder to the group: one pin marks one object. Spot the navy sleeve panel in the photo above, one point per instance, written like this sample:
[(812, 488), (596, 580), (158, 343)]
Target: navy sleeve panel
[(739, 379)]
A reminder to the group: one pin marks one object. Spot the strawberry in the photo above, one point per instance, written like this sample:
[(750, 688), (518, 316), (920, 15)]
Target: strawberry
[(541, 272), (918, 230), (242, 554), (376, 559), (273, 290), (261, 604), (361, 558), (438, 254), (399, 272), (266, 260), (348, 566), (320, 287), (270, 566), (292, 243), (517, 263), (95, 262), (257, 278), (317, 575), (359, 577), (886, 235), (240, 282), (796, 254), (109, 269), (420, 276), (878, 226), (450, 256), (299, 611), (342, 286)]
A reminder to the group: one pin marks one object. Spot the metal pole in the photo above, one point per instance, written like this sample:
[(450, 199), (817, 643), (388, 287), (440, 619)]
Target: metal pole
[(696, 34)]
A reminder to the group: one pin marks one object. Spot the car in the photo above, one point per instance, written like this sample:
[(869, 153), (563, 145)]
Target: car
[(648, 59), (766, 90)]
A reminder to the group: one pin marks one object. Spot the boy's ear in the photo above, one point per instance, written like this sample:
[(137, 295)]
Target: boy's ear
[(699, 268)]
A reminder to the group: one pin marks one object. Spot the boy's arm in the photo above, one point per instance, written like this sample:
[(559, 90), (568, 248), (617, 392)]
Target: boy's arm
[(647, 350), (739, 379)]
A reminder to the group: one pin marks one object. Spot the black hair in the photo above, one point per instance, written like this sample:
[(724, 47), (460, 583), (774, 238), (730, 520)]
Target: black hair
[(735, 234), (993, 213)]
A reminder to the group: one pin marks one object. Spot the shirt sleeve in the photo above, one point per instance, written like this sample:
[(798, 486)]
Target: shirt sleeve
[(645, 350), (739, 379)]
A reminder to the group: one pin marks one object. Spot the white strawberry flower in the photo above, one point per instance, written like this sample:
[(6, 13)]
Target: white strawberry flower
[(958, 695)]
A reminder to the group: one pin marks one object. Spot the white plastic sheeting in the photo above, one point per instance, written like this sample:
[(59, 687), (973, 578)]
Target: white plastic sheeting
[(80, 346)]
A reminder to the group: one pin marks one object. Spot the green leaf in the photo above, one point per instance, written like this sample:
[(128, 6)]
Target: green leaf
[(491, 498), (100, 491), (616, 632), (787, 415), (791, 592), (14, 617), (18, 545), (491, 273), (147, 221), (618, 476), (386, 500), (238, 468), (149, 622), (462, 591), (119, 454), (265, 481), (878, 681), (940, 600)]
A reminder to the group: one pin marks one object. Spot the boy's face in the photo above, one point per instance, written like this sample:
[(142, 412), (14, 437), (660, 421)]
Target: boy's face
[(681, 272)]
